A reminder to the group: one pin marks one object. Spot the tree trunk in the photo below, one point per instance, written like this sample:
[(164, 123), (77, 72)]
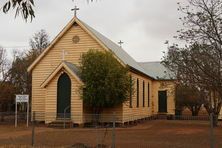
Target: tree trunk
[(195, 110), (96, 116), (215, 120), (194, 113)]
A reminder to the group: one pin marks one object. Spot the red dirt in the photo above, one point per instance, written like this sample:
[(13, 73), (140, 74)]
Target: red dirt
[(154, 134)]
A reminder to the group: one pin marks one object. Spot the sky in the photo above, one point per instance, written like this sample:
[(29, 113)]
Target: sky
[(143, 25)]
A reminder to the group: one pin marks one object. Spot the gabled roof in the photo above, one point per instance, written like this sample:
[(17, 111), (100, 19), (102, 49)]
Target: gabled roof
[(69, 67), (157, 70), (116, 49), (72, 67), (102, 40)]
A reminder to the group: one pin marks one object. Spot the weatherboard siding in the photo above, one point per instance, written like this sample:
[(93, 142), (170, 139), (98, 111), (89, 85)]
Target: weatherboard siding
[(134, 112), (53, 58), (44, 99), (51, 100), (107, 114), (168, 86)]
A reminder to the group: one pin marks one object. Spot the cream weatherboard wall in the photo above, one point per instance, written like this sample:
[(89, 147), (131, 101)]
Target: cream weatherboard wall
[(134, 112), (44, 99), (51, 99), (137, 112), (169, 87), (53, 58)]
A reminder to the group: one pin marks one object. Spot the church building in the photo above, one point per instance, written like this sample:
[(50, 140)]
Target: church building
[(56, 83)]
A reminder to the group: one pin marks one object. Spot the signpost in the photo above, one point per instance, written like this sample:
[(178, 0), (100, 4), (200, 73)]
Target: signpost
[(21, 99)]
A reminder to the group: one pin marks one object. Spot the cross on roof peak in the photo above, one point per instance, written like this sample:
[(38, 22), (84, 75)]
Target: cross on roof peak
[(75, 9), (120, 43)]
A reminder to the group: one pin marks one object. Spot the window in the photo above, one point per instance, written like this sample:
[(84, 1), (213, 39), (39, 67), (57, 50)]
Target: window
[(137, 102), (143, 94), (148, 94), (131, 87)]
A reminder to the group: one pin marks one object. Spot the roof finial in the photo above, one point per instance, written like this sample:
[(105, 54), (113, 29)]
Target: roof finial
[(120, 43), (75, 9)]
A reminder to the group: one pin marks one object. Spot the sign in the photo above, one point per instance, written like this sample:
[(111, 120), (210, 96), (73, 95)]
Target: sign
[(22, 98)]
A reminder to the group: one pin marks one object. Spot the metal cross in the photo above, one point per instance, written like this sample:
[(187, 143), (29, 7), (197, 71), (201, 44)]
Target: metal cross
[(75, 10), (120, 43)]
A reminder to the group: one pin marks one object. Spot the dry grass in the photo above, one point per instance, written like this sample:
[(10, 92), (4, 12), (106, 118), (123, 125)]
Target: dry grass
[(151, 134)]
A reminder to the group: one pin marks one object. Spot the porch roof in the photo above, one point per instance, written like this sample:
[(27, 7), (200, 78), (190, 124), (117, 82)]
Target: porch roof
[(69, 67)]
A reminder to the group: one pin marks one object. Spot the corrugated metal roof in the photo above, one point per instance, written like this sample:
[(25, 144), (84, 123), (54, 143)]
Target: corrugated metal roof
[(118, 51), (72, 67), (157, 70)]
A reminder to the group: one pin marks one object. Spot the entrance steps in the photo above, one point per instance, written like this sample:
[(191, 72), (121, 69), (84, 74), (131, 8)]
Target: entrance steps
[(161, 116), (61, 123)]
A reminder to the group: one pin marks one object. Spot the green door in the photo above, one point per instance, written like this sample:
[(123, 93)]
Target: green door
[(63, 96), (162, 95)]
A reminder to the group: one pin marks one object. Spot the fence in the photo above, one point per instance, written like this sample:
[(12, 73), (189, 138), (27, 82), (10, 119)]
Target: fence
[(108, 131)]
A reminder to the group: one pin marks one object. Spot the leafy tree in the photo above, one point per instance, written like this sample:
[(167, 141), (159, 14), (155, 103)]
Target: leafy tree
[(199, 63), (6, 95), (189, 97), (7, 89), (106, 81), (197, 67), (23, 7), (18, 74), (16, 80)]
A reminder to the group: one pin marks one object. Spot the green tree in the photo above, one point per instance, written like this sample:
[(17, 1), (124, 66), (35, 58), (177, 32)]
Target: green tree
[(190, 98), (106, 82)]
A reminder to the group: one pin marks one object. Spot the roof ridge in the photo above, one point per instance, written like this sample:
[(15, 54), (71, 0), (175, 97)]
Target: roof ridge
[(118, 51)]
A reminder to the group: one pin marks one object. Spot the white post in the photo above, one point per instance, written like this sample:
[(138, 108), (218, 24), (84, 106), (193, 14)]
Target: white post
[(16, 113), (27, 114)]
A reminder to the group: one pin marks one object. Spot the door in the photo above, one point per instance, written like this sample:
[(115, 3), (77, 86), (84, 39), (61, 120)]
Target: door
[(63, 96), (162, 95)]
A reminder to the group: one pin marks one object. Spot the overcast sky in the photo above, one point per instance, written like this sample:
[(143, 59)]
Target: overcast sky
[(143, 25)]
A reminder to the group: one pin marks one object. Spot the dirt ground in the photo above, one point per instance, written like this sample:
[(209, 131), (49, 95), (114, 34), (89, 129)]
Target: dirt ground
[(149, 134)]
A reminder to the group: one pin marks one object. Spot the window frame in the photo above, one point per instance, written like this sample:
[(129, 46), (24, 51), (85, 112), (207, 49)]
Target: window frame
[(138, 94)]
